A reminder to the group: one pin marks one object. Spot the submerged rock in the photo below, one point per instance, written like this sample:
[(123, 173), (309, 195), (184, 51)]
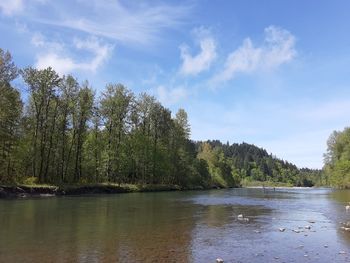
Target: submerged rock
[(307, 227), (281, 229), (219, 260)]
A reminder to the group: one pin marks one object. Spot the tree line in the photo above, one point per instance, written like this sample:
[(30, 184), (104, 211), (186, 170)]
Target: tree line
[(64, 133)]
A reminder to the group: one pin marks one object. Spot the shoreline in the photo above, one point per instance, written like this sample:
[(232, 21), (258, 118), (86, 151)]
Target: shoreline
[(29, 191)]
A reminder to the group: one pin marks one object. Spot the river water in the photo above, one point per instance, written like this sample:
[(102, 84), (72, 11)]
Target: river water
[(193, 226)]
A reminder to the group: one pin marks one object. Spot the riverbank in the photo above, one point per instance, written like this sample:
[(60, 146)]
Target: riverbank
[(250, 183), (24, 191)]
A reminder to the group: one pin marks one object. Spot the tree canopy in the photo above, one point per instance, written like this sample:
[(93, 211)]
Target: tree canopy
[(337, 158)]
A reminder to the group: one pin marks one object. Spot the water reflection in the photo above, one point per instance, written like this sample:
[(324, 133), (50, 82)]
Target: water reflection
[(125, 228), (178, 227)]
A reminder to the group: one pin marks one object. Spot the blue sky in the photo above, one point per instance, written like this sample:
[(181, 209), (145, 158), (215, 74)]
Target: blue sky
[(271, 73)]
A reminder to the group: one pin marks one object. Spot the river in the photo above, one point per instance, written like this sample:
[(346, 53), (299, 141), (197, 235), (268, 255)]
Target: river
[(191, 226)]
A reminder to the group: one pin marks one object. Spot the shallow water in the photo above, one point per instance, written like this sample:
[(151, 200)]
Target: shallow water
[(194, 226)]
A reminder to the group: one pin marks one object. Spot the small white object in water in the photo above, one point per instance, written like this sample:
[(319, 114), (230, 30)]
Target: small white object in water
[(347, 207), (296, 230), (240, 216), (345, 228), (281, 229), (219, 260), (307, 227), (342, 252)]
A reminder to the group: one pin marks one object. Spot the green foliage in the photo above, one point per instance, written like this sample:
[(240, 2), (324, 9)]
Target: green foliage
[(10, 118), (245, 161), (30, 181), (337, 159)]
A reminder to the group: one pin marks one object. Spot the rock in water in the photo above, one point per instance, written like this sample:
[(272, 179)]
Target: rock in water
[(281, 229), (345, 228), (219, 260), (240, 216)]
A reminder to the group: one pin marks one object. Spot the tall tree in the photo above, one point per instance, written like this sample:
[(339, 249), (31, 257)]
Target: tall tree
[(83, 113), (115, 113), (68, 98), (42, 86), (10, 114)]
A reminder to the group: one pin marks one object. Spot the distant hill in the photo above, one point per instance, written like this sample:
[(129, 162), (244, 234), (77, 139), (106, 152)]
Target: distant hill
[(256, 164)]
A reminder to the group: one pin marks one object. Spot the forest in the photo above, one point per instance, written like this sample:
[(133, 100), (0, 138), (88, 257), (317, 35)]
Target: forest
[(63, 132)]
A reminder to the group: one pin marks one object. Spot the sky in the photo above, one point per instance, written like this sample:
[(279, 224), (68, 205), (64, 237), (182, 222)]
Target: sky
[(272, 73)]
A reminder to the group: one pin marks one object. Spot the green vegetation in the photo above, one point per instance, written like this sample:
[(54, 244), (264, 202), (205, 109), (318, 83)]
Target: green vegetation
[(251, 165), (337, 159), (65, 135)]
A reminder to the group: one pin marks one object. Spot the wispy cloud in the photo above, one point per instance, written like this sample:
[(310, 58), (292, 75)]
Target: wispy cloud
[(11, 7), (192, 65), (135, 23), (278, 48), (55, 54)]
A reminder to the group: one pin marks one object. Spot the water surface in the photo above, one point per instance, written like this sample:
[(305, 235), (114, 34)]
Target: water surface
[(194, 226)]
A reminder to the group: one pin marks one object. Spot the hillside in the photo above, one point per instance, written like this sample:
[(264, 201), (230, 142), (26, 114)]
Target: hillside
[(251, 163)]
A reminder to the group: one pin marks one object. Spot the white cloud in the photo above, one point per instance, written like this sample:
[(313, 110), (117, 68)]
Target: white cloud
[(278, 48), (10, 7), (135, 22), (171, 96), (56, 56), (192, 65)]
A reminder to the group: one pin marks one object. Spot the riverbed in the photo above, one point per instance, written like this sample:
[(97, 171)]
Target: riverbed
[(237, 225)]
